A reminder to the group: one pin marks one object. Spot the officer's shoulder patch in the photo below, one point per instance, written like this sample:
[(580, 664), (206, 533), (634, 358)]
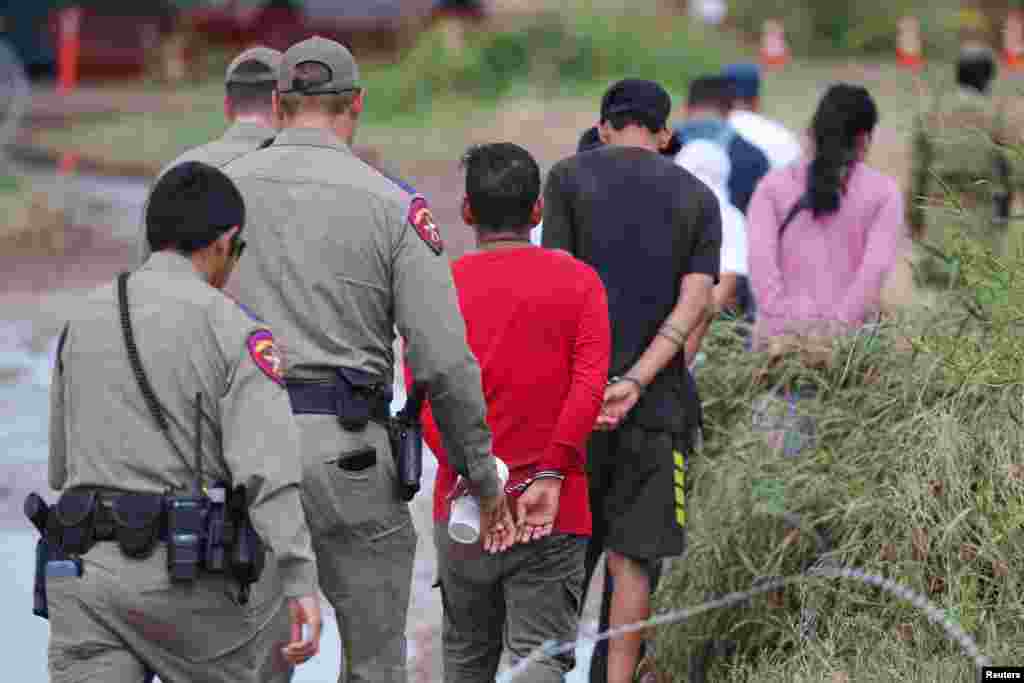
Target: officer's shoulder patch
[(423, 222), (264, 353)]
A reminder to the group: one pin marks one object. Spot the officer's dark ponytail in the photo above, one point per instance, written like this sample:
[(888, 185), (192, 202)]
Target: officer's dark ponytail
[(845, 112)]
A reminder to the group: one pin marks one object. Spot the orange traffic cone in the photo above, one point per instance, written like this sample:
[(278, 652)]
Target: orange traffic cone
[(908, 45), (1013, 40), (67, 53), (774, 51), (67, 163)]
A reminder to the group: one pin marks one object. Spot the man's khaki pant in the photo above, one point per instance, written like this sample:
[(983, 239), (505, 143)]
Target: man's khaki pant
[(365, 545), (123, 616)]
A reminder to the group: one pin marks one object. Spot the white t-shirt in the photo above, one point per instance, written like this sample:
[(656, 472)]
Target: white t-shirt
[(778, 144), (709, 162)]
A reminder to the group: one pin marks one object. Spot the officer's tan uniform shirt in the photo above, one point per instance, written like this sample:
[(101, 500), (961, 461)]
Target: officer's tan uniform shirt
[(191, 339), (238, 140), (955, 151), (334, 264)]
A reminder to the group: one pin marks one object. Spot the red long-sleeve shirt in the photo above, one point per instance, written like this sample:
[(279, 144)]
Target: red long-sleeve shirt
[(537, 321)]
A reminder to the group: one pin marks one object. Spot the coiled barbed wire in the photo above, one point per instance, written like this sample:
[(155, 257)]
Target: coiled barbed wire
[(822, 569)]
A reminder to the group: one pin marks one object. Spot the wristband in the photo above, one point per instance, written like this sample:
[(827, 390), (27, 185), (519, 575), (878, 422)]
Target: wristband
[(627, 378)]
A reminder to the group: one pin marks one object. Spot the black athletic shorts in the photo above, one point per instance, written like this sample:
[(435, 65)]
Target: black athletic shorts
[(637, 491)]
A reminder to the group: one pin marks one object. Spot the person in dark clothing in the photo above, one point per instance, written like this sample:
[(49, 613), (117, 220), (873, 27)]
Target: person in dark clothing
[(652, 231), (591, 139)]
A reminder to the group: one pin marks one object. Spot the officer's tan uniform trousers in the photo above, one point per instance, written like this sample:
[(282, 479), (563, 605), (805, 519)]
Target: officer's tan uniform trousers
[(365, 545), (123, 615)]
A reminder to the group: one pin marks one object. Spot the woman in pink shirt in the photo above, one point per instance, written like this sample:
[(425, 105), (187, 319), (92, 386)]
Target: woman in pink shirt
[(821, 271)]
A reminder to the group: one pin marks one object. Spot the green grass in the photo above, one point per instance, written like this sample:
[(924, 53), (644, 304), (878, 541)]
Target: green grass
[(916, 475)]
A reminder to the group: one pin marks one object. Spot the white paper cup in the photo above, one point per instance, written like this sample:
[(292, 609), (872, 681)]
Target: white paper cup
[(464, 520)]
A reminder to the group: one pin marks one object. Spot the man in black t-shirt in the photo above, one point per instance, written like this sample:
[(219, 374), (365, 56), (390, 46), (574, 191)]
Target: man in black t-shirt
[(652, 231)]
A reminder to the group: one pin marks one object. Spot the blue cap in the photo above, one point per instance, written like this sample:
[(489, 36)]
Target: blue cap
[(746, 78)]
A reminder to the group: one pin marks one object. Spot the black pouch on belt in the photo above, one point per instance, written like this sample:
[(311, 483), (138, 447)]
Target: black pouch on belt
[(75, 521), (357, 393), (138, 518)]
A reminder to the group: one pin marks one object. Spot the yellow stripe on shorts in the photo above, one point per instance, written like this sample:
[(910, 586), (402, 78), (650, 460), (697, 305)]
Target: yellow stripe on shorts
[(680, 483)]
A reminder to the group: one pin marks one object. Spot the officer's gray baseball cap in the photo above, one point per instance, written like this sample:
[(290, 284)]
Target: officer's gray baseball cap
[(256, 65), (317, 66)]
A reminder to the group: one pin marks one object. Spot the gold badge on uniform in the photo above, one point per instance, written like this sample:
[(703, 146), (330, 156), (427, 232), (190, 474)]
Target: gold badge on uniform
[(264, 353), (423, 221)]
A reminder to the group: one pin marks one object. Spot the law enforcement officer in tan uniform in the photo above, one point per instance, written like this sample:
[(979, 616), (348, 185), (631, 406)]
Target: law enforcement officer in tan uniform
[(213, 373), (957, 157), (339, 255), (249, 85)]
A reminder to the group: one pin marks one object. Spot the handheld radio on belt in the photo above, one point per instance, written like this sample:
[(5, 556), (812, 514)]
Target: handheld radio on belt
[(211, 530)]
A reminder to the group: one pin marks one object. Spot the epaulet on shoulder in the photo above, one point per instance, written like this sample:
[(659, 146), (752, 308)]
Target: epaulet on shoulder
[(406, 187), (249, 313)]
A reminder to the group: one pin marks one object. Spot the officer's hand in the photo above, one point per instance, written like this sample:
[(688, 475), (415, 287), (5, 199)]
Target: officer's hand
[(536, 510), (497, 528), (619, 399), (303, 611)]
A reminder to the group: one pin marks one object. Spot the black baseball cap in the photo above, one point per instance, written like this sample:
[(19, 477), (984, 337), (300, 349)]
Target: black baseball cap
[(646, 99)]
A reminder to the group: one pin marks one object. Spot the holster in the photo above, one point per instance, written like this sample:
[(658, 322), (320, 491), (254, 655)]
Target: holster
[(405, 432)]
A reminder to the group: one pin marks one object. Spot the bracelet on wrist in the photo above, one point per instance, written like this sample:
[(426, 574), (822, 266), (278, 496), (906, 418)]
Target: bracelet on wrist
[(627, 378)]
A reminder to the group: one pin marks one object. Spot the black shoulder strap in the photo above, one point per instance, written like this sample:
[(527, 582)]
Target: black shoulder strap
[(803, 203), (140, 374), (60, 348)]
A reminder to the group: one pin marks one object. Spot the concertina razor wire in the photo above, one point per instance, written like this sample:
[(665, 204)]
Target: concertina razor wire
[(934, 614)]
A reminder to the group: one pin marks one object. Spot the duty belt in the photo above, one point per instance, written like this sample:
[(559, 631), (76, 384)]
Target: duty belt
[(352, 395), (321, 398), (106, 524)]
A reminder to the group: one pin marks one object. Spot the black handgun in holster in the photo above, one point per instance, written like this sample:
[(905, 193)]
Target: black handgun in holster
[(246, 553), (406, 435), (38, 513)]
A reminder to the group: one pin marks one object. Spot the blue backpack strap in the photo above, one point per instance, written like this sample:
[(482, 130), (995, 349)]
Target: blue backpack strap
[(726, 137)]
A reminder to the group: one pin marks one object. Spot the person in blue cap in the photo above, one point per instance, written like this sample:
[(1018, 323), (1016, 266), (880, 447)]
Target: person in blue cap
[(780, 145)]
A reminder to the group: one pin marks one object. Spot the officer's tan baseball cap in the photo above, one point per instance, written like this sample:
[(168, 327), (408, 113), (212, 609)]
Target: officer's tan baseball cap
[(258, 65), (317, 66)]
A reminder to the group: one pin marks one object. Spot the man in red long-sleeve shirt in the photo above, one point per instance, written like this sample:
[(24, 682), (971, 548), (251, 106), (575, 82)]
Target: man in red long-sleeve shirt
[(537, 321)]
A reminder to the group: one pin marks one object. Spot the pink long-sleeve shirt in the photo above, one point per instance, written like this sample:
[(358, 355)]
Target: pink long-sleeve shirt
[(825, 275)]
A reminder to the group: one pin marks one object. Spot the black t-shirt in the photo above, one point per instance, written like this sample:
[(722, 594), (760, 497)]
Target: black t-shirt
[(642, 222)]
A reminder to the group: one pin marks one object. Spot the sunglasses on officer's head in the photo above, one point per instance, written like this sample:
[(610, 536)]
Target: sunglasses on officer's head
[(237, 247)]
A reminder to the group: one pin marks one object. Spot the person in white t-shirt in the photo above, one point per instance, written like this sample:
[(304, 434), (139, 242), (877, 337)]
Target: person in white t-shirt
[(780, 145), (710, 163)]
